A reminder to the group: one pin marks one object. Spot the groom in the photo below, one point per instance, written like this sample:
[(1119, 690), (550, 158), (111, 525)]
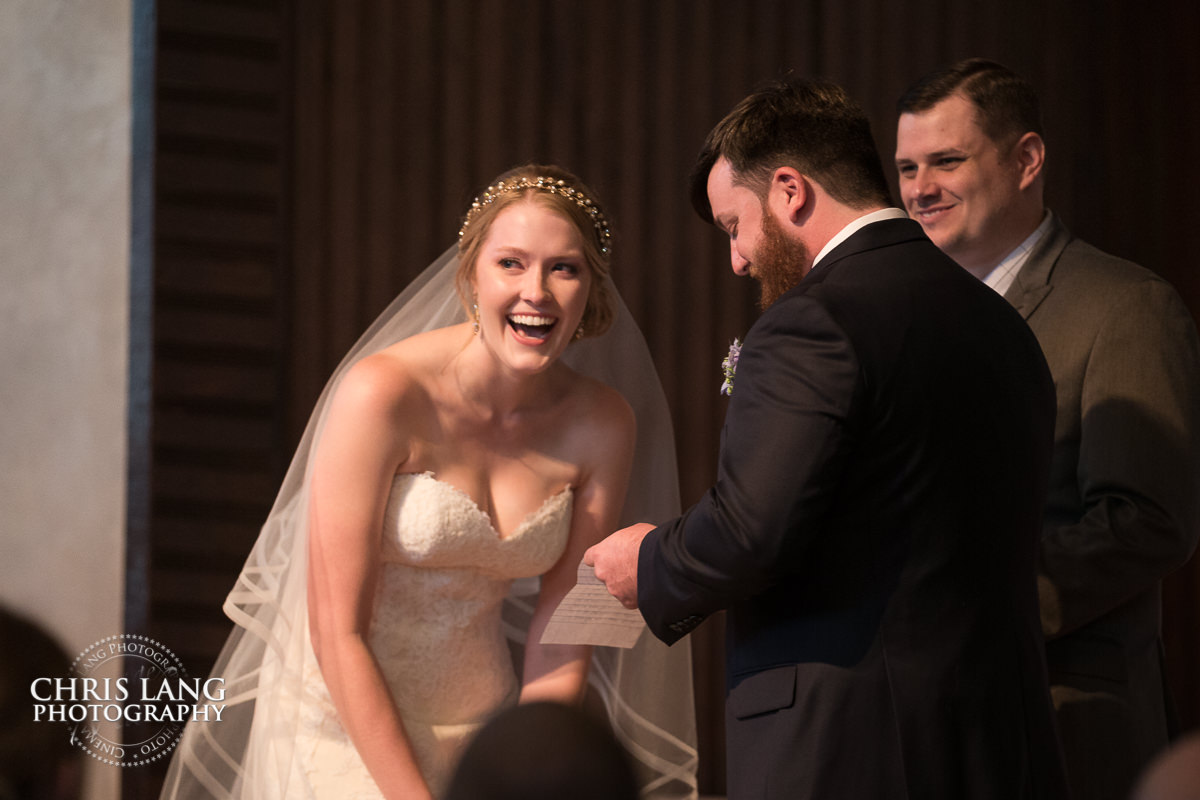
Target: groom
[(883, 464)]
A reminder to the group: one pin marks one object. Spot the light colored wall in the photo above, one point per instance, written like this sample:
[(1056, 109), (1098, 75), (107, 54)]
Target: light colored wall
[(64, 282)]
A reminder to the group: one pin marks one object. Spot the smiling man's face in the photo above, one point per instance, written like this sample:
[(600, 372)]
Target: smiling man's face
[(961, 186)]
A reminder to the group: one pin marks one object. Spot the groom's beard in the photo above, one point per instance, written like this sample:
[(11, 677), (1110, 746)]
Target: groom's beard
[(778, 261)]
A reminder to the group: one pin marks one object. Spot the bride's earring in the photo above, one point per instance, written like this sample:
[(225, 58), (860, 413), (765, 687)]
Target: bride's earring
[(475, 318), (578, 333)]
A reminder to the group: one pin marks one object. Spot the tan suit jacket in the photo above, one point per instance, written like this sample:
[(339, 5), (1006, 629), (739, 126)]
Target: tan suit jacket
[(1122, 508)]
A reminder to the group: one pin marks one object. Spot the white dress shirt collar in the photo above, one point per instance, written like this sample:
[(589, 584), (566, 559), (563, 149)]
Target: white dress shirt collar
[(853, 227), (1003, 274)]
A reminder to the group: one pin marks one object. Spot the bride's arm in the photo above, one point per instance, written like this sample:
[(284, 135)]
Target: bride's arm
[(559, 672), (360, 448)]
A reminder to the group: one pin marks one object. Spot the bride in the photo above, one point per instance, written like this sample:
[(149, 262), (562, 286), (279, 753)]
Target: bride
[(446, 466)]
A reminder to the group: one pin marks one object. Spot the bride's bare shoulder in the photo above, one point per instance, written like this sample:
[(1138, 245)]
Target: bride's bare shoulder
[(429, 351), (601, 411), (402, 372)]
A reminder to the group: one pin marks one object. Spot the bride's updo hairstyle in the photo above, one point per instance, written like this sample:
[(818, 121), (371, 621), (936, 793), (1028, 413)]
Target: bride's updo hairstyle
[(560, 191)]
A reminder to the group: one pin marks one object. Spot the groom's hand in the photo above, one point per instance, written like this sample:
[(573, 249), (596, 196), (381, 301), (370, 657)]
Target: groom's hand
[(615, 561)]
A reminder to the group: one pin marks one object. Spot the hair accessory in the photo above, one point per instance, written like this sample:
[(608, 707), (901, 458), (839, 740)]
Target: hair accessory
[(559, 187)]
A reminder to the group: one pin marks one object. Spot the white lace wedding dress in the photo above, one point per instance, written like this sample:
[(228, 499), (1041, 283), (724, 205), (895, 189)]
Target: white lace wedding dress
[(442, 550), (436, 631)]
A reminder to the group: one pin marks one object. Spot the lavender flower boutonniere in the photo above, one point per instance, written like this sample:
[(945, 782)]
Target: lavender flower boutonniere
[(729, 367)]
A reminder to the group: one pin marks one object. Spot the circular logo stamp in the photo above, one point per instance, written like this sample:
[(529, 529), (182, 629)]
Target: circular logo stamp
[(126, 700)]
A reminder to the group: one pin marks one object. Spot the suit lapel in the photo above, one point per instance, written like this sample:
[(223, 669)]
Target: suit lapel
[(1035, 280)]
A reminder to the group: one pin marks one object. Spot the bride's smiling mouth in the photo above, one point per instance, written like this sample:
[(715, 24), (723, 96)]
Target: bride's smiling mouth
[(532, 326)]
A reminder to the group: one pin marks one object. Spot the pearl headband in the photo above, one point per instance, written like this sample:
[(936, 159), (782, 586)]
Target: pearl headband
[(501, 188)]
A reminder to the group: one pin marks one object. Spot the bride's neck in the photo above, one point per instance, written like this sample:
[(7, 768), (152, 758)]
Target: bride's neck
[(490, 389)]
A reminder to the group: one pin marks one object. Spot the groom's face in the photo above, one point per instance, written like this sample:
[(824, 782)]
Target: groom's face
[(778, 261), (738, 211), (758, 244)]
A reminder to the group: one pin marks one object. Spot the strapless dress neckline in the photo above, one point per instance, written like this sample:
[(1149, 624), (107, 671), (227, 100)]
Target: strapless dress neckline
[(550, 503), (437, 630)]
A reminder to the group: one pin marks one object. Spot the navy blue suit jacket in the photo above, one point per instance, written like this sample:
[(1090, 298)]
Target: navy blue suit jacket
[(872, 536)]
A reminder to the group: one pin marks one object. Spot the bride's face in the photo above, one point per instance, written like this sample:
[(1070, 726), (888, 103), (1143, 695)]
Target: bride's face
[(531, 285)]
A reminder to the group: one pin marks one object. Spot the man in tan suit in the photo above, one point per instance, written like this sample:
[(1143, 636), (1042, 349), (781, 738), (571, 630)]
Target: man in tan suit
[(1122, 509)]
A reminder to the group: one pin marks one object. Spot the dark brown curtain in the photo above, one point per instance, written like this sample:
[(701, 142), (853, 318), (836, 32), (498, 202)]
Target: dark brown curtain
[(314, 155)]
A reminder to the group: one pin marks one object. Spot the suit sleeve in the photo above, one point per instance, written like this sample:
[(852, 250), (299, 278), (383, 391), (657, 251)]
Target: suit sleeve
[(786, 434), (1138, 466)]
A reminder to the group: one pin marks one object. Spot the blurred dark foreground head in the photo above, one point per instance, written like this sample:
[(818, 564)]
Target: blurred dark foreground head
[(544, 751)]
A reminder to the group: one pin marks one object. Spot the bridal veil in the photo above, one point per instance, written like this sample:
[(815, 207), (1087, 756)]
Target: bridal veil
[(646, 690)]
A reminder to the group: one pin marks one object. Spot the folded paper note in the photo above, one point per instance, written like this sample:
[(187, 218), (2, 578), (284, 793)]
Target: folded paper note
[(588, 614)]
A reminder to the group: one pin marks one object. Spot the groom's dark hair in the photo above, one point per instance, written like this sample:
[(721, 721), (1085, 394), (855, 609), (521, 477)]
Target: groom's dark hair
[(810, 125)]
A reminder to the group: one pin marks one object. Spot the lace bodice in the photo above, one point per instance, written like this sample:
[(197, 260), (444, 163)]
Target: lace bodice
[(446, 573), (431, 524), (436, 628)]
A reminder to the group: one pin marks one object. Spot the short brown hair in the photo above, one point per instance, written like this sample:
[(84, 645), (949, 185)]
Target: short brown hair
[(1006, 103), (810, 125)]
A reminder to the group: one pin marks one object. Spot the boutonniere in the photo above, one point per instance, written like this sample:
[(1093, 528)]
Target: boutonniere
[(729, 367)]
